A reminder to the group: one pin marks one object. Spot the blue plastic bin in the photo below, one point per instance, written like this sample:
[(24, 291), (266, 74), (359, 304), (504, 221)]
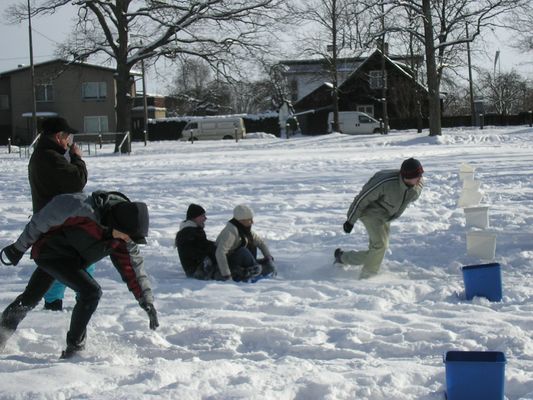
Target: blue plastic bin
[(484, 280), (475, 375)]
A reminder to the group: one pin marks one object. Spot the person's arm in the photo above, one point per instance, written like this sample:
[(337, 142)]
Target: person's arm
[(371, 192), (129, 263), (225, 242), (55, 213), (259, 242)]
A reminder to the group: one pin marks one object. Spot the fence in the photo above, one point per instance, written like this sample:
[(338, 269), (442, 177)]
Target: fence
[(89, 141)]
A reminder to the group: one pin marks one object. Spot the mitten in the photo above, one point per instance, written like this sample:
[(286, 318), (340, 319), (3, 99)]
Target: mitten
[(347, 227), (12, 253), (152, 314)]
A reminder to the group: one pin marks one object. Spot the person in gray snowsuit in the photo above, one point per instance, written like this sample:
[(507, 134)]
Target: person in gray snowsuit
[(383, 199)]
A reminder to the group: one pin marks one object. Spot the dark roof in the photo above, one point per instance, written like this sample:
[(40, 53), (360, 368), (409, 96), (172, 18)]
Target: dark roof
[(64, 62), (326, 87)]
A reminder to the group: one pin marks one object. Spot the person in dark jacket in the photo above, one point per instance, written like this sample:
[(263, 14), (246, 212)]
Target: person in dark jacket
[(55, 167), (196, 252), (383, 199), (71, 232)]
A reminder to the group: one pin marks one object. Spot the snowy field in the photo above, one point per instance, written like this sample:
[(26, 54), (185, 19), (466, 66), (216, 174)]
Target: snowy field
[(315, 332)]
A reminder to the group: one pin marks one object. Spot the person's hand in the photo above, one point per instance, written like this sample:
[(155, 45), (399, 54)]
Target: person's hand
[(347, 226), (12, 253), (75, 149), (152, 314)]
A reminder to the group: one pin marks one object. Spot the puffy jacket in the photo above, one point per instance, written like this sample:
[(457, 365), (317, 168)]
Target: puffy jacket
[(229, 240), (50, 173), (193, 246), (71, 227), (385, 196)]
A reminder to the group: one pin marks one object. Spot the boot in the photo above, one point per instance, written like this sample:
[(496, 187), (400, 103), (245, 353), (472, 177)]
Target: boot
[(4, 335), (56, 305), (11, 317), (73, 347), (338, 256)]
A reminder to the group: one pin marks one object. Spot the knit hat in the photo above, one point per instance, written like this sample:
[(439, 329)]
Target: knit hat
[(411, 168), (242, 211), (194, 211), (56, 124), (131, 219)]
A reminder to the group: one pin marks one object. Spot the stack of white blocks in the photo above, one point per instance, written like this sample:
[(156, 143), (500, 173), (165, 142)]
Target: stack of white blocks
[(480, 242)]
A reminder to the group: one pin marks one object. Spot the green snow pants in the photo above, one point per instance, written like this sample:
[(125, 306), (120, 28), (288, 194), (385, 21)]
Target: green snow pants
[(378, 242)]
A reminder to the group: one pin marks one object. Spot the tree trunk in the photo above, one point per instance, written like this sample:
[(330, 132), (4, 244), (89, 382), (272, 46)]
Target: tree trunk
[(123, 108), (432, 77)]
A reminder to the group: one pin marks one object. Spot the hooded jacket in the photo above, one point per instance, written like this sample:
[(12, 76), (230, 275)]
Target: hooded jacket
[(228, 241), (193, 246), (50, 173), (385, 197), (72, 227)]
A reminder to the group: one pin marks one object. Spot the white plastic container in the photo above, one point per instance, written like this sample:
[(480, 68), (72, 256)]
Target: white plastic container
[(466, 172), (471, 185), (477, 217), (469, 198), (481, 244)]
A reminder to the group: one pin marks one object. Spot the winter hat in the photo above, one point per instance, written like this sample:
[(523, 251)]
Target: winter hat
[(242, 211), (132, 219), (56, 124), (411, 168), (194, 211)]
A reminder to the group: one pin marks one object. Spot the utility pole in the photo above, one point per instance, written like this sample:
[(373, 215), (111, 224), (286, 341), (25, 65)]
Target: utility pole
[(470, 84), (145, 104), (32, 73), (383, 73)]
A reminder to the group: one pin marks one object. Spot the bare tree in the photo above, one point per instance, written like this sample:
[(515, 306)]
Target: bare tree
[(128, 31), (443, 33), (521, 21), (505, 93)]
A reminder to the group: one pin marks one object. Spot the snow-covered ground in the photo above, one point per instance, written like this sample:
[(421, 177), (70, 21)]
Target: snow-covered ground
[(314, 332)]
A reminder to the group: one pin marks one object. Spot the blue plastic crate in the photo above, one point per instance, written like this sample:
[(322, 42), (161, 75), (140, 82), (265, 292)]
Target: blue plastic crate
[(483, 280), (475, 375)]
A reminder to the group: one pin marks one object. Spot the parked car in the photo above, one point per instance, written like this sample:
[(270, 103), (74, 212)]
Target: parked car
[(205, 128), (355, 123)]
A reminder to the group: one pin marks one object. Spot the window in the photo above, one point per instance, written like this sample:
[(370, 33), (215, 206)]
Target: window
[(4, 102), (95, 124), (94, 90), (375, 79), (367, 109), (44, 93), (364, 119)]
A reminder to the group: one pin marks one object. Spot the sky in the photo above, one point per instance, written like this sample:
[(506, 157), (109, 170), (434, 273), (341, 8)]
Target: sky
[(52, 30), (315, 332)]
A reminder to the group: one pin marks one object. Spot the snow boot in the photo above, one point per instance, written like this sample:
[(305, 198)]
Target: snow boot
[(56, 305), (73, 348), (338, 256)]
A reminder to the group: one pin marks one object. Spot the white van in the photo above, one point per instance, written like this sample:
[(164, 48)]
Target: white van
[(210, 128), (355, 123)]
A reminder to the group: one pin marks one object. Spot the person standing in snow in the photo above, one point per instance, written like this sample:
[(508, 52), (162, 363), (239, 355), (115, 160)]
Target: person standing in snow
[(383, 199), (237, 244), (55, 167), (196, 252), (71, 232)]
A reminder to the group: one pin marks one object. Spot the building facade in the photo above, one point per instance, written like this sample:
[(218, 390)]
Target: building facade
[(82, 93)]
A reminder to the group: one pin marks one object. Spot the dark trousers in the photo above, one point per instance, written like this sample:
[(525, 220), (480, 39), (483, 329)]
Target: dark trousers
[(65, 271), (239, 261)]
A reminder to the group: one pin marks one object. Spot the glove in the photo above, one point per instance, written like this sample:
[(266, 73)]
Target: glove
[(12, 253), (347, 227), (152, 314)]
